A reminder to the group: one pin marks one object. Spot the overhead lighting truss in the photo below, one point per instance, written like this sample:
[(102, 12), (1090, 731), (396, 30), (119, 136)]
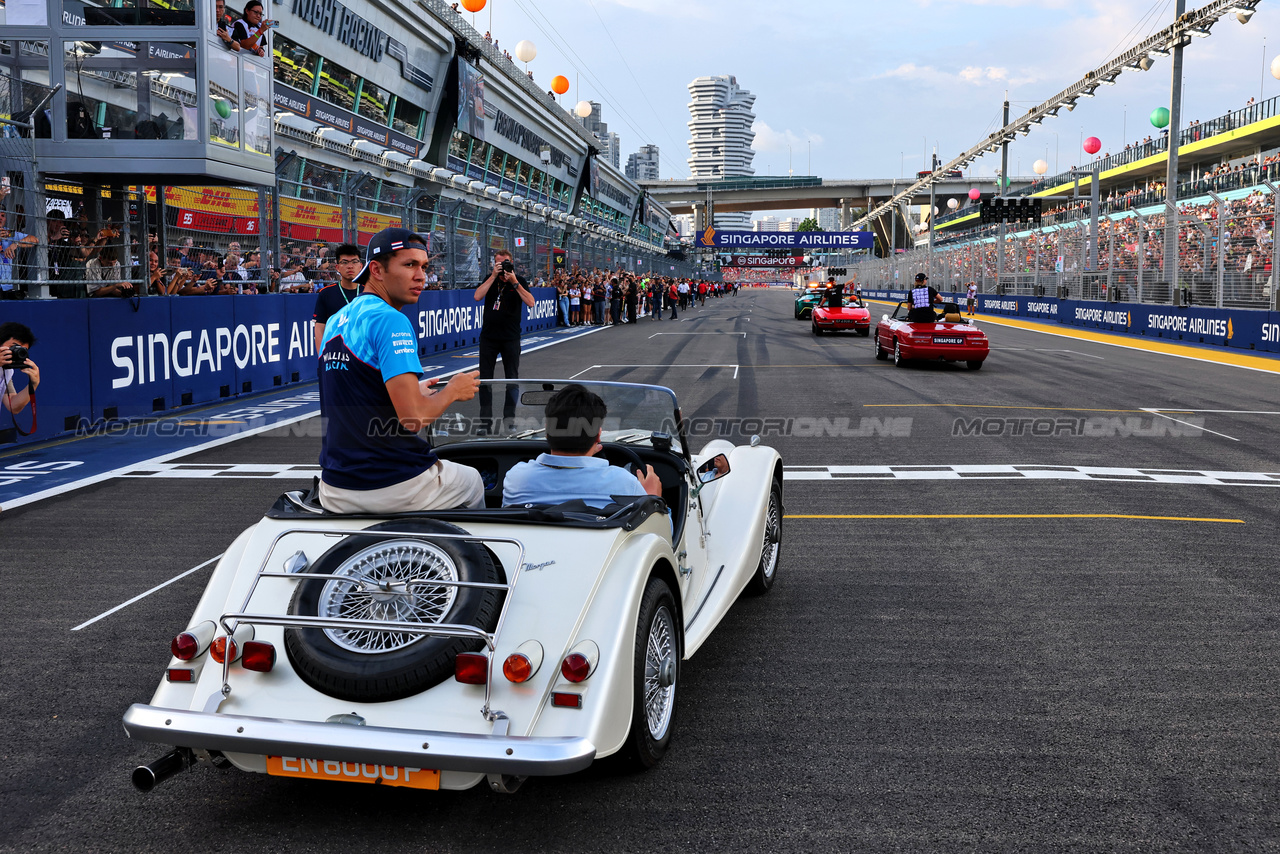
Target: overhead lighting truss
[(1197, 22)]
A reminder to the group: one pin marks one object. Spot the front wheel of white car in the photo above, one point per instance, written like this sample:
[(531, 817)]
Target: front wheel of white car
[(771, 547), (657, 669)]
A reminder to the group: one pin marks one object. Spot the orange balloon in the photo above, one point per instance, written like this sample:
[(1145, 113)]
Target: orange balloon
[(473, 5), (559, 84)]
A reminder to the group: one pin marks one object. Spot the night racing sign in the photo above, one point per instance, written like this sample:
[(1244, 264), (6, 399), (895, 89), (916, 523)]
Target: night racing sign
[(787, 239)]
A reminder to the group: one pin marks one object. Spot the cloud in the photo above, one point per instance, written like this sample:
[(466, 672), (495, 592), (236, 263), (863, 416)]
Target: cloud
[(974, 74), (768, 139)]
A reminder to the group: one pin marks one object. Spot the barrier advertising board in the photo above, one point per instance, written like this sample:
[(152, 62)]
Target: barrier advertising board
[(121, 359)]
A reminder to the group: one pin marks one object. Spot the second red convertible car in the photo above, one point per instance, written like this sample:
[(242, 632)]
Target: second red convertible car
[(951, 337), (852, 315)]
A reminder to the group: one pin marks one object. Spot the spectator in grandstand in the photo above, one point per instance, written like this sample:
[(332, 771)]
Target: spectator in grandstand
[(103, 275), (11, 244), (189, 256), (222, 23), (17, 335), (334, 297), (66, 258), (292, 279), (249, 29)]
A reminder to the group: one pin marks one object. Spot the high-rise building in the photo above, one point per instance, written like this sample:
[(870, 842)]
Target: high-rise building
[(610, 143), (828, 219), (721, 136), (765, 223), (643, 165), (791, 223)]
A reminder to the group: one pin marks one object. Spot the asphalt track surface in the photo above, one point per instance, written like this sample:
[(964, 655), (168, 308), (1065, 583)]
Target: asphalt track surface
[(1086, 681)]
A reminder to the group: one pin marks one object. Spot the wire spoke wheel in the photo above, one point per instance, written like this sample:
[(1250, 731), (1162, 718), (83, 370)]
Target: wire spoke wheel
[(772, 538), (388, 582), (659, 673)]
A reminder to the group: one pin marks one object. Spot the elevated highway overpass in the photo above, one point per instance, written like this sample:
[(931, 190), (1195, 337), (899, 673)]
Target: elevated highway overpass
[(766, 193)]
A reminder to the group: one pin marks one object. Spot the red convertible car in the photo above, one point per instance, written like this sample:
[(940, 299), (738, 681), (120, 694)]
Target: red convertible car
[(951, 337), (853, 314)]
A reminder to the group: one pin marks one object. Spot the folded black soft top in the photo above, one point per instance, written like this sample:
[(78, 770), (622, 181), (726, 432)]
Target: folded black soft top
[(626, 513)]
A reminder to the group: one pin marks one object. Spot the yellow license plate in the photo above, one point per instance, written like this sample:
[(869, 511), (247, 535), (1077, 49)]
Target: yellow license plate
[(353, 772)]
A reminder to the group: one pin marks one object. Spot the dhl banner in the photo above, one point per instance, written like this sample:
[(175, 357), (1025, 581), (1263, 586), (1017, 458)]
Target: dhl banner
[(230, 210)]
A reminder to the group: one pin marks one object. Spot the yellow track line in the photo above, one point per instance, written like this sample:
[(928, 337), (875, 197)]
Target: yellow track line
[(1011, 516)]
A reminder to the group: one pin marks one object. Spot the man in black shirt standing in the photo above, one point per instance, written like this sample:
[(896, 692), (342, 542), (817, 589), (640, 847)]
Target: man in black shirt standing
[(334, 297), (503, 293)]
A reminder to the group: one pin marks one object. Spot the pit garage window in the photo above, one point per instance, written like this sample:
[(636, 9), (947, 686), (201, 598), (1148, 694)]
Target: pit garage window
[(129, 89), (338, 85), (294, 65), (374, 101), (408, 118)]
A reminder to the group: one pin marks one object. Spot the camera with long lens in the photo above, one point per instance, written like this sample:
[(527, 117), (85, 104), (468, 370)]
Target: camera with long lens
[(18, 355)]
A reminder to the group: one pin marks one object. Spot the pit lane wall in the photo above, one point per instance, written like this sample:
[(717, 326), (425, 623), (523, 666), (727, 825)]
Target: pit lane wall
[(1238, 328), (116, 359)]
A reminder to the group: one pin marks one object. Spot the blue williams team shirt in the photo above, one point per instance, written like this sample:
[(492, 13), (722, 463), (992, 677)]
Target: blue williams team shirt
[(364, 446), (552, 479)]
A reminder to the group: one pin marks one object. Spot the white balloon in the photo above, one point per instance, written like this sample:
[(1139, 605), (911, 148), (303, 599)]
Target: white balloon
[(583, 109), (526, 51), (1275, 68), (1040, 167), (952, 204)]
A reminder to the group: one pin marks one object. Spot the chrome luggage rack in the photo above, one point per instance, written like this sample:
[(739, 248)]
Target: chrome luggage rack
[(447, 630)]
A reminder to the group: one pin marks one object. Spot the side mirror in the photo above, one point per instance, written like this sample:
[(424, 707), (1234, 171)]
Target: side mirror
[(713, 469)]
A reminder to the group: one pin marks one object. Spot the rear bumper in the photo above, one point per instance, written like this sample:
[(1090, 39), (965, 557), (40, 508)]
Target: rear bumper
[(950, 352), (441, 751)]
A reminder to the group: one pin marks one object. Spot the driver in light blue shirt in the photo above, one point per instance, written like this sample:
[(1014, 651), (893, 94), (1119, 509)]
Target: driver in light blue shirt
[(571, 471)]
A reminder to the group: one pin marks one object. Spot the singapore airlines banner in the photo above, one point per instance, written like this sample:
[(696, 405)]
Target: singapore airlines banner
[(787, 239)]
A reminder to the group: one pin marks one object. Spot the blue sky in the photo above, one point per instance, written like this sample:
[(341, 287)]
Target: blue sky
[(870, 85)]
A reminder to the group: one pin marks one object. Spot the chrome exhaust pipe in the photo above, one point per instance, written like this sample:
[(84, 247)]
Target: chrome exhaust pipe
[(147, 777)]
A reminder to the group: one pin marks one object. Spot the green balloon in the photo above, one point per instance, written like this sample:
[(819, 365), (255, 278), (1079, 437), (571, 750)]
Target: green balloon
[(1160, 117), (223, 107)]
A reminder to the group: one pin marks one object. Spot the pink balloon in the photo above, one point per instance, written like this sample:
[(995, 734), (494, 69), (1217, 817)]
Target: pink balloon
[(1092, 145), (975, 194)]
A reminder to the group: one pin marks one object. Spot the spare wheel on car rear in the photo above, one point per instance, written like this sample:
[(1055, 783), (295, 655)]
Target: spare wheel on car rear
[(388, 579)]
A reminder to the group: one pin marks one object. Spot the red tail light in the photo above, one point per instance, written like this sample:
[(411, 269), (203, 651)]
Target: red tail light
[(471, 668), (259, 656), (219, 649), (180, 674), (185, 647), (576, 667), (566, 700), (192, 643)]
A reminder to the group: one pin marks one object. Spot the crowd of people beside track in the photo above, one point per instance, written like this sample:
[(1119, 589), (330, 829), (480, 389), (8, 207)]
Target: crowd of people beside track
[(600, 297), (1126, 242)]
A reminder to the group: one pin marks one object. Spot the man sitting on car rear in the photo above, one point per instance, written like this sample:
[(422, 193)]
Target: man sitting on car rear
[(570, 470), (371, 457), (921, 300)]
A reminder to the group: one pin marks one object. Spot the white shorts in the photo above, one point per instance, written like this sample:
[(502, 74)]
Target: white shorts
[(444, 486)]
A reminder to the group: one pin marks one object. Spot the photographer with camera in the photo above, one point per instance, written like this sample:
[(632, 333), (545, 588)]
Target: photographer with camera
[(502, 293), (15, 340)]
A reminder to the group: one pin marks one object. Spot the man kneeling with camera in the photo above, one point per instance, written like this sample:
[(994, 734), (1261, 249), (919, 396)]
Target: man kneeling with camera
[(15, 339)]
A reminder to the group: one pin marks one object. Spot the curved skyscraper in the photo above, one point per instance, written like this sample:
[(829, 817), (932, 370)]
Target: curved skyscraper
[(721, 136)]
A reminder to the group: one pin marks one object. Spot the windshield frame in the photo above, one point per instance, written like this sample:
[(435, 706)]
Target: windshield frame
[(499, 386)]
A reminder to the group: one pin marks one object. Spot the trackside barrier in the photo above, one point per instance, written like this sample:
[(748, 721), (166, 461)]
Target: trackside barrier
[(116, 359), (1244, 329)]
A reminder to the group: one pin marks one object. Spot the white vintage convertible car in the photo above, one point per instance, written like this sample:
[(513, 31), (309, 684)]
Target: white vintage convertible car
[(443, 649)]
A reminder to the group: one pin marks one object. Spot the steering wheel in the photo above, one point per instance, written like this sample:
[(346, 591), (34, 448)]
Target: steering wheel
[(619, 448)]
